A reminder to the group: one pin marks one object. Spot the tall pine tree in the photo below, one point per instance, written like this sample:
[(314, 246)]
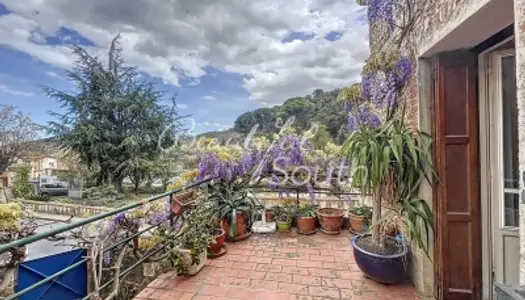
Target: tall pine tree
[(113, 120)]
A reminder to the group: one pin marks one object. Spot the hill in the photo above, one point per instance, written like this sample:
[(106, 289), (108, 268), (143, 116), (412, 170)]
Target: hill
[(321, 107)]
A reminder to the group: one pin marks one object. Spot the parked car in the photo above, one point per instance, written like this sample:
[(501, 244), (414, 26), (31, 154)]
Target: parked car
[(54, 189)]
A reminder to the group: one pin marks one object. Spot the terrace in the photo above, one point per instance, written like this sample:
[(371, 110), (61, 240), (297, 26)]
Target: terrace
[(281, 265), (286, 266)]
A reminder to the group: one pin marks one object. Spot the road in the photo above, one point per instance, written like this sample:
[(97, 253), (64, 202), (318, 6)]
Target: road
[(46, 247)]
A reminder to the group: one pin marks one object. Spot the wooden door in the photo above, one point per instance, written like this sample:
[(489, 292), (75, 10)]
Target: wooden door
[(457, 199)]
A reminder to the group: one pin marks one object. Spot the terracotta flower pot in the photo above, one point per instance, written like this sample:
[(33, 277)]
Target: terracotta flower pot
[(305, 224), (220, 238), (241, 225), (180, 202), (331, 220), (268, 215), (356, 223)]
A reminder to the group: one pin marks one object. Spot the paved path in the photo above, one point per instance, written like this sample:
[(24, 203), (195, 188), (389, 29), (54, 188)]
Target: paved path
[(45, 247), (279, 267)]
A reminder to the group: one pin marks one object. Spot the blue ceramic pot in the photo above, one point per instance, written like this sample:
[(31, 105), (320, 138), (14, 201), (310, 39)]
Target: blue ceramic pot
[(387, 269)]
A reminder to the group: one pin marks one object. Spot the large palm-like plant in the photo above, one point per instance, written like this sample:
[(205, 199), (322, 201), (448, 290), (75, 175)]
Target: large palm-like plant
[(232, 197), (391, 162)]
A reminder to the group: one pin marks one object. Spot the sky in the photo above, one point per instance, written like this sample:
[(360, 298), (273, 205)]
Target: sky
[(221, 57)]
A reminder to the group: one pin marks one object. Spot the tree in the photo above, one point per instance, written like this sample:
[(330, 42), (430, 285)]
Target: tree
[(321, 107), (114, 119), (22, 188), (300, 108), (321, 137), (16, 131)]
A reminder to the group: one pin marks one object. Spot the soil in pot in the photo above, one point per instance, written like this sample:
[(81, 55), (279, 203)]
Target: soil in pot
[(306, 225), (220, 238), (387, 265), (241, 225), (356, 223), (331, 220), (392, 247)]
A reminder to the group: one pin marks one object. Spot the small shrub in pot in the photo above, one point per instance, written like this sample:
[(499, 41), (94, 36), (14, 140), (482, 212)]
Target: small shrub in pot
[(306, 219), (283, 216), (359, 218)]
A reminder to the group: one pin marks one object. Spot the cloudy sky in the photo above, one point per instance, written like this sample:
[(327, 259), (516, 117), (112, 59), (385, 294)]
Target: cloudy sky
[(222, 57)]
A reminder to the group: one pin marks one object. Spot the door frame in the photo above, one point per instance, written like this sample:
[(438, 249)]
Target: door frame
[(486, 79)]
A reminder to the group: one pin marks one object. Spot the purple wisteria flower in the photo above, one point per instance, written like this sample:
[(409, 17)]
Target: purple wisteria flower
[(381, 11), (404, 67), (363, 116)]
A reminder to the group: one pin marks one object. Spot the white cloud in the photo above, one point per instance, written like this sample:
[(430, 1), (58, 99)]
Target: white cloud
[(54, 75), (180, 39), (209, 98), (4, 88), (182, 105), (219, 126)]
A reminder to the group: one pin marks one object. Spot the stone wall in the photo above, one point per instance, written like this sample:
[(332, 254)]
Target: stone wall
[(519, 31), (438, 18), (63, 208)]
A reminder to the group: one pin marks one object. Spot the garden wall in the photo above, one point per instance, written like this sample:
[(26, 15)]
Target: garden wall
[(63, 208)]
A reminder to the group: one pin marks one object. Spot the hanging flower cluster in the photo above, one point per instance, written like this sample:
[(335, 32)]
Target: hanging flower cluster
[(381, 11), (384, 76), (227, 162), (376, 99)]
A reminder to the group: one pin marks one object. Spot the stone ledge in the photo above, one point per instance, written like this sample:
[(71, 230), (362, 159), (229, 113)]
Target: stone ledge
[(64, 209), (509, 292)]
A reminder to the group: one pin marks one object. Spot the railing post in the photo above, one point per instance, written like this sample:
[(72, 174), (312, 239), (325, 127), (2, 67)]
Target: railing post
[(206, 192)]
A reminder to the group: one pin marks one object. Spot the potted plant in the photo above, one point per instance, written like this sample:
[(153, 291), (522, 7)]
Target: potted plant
[(268, 214), (283, 216), (359, 217), (235, 208), (216, 247), (331, 220), (306, 219), (190, 254), (393, 160), (181, 201)]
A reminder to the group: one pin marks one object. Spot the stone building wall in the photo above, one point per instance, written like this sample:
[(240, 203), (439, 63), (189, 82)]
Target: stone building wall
[(437, 20), (519, 32)]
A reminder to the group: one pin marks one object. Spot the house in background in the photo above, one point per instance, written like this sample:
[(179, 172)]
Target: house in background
[(468, 92), (41, 166)]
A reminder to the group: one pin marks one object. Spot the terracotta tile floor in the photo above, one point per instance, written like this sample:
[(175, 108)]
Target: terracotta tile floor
[(281, 266)]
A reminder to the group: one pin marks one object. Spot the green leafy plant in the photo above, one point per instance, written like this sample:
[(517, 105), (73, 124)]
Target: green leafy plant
[(196, 235), (283, 213), (43, 198), (307, 210), (233, 197), (362, 211), (391, 161), (22, 188)]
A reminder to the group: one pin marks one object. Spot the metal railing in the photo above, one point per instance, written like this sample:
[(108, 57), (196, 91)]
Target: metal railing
[(129, 238)]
